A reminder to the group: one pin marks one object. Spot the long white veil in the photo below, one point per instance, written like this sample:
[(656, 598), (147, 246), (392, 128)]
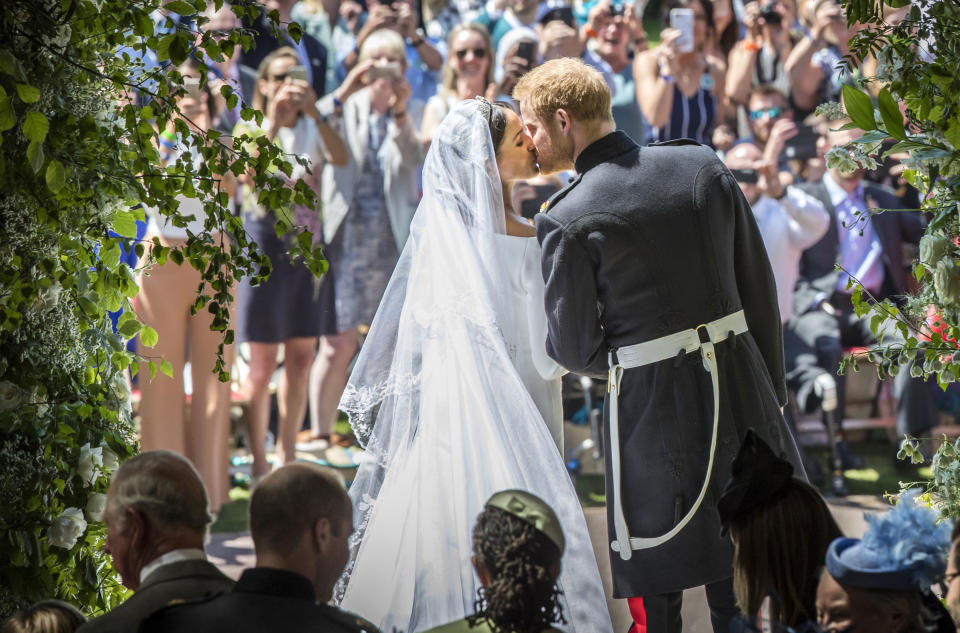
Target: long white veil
[(442, 413)]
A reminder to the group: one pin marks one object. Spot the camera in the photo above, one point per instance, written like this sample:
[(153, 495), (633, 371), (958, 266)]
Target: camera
[(768, 11)]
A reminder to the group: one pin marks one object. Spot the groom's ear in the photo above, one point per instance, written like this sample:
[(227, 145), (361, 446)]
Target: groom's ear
[(563, 121)]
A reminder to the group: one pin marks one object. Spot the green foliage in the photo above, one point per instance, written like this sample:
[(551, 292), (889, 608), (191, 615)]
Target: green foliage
[(943, 491), (916, 114), (77, 159)]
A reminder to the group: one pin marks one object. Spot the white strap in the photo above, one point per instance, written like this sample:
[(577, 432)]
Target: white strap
[(645, 354)]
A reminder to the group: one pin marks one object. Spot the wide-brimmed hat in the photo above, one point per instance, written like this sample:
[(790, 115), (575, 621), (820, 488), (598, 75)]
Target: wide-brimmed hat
[(757, 476)]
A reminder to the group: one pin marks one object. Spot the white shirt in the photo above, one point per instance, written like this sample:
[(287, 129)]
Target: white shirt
[(788, 227), (173, 556)]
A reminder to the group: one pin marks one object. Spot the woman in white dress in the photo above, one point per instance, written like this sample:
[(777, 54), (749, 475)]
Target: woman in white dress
[(451, 390)]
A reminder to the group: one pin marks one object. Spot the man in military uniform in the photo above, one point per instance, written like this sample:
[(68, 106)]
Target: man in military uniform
[(300, 520), (657, 278)]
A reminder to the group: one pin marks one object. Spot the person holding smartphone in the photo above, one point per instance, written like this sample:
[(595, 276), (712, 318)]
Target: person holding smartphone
[(367, 205), (291, 308), (199, 429), (468, 73), (680, 85)]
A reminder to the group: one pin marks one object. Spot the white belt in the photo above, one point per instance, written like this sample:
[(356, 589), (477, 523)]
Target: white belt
[(646, 354)]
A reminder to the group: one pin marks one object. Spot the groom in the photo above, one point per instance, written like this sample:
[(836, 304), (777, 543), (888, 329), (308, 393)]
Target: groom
[(657, 279)]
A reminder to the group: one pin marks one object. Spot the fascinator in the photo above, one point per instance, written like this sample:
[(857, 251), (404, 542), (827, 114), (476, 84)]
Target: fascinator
[(904, 549), (757, 476), (532, 509)]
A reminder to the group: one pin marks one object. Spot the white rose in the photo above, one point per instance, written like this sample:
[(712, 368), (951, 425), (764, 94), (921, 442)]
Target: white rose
[(96, 504), (110, 460), (11, 396), (91, 460), (67, 528)]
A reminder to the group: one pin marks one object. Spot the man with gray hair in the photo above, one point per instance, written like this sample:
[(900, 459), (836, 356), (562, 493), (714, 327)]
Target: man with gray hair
[(301, 520), (157, 519)]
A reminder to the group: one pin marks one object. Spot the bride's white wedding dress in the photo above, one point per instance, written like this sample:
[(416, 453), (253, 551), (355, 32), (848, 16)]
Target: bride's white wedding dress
[(448, 397)]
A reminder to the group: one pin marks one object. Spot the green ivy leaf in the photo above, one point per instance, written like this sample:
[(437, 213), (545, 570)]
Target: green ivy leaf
[(859, 106), (180, 7), (890, 113), (953, 134), (179, 49), (56, 176), (28, 93), (166, 368), (148, 336), (129, 328), (8, 118), (36, 126), (35, 156), (152, 366), (125, 223), (163, 47)]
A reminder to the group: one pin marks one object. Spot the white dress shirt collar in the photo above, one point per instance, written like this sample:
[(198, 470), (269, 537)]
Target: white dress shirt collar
[(173, 556)]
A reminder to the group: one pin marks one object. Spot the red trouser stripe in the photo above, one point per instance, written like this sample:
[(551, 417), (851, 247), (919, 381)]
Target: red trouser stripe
[(639, 615)]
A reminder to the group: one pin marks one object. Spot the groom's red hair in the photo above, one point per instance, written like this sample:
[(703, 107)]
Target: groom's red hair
[(569, 84)]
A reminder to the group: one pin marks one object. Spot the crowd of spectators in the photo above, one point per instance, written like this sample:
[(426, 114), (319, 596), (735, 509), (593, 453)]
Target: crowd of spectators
[(360, 95)]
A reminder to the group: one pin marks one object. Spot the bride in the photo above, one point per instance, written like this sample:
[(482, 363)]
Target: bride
[(453, 396)]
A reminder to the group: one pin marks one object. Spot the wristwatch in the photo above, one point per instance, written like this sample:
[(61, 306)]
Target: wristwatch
[(418, 39)]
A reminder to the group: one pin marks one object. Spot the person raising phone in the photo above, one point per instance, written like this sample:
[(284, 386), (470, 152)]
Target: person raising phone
[(367, 204), (680, 86)]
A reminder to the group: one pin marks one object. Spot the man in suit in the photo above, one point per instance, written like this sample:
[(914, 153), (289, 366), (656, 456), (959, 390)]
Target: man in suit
[(871, 250), (312, 54), (301, 520), (657, 278), (156, 518)]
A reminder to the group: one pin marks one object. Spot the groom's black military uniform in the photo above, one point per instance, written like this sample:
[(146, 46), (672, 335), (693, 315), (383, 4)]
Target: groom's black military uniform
[(645, 243), (264, 600)]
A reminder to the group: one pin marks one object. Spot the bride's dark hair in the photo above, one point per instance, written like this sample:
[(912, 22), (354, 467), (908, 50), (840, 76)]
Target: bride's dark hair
[(523, 596), (496, 116)]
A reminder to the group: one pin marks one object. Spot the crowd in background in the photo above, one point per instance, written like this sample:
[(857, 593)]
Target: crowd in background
[(360, 95)]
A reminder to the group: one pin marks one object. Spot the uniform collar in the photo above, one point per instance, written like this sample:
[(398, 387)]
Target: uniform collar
[(276, 582), (602, 150)]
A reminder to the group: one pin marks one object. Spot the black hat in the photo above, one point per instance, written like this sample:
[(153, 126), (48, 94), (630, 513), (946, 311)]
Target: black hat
[(756, 477)]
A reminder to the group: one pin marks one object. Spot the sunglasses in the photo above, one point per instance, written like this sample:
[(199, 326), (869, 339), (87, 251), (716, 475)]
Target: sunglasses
[(282, 77), (478, 53), (773, 113)]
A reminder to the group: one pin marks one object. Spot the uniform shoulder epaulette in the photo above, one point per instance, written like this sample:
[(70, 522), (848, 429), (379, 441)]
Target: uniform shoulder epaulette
[(676, 141), (350, 621), (558, 196)]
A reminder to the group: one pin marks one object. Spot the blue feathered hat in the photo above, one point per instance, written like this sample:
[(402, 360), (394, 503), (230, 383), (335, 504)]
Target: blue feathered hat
[(904, 549)]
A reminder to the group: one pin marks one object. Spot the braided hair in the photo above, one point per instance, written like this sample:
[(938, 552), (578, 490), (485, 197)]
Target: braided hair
[(522, 596)]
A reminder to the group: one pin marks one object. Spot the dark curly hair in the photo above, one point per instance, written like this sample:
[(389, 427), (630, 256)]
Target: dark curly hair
[(523, 596)]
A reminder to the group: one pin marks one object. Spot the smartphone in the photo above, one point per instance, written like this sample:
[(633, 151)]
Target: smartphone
[(389, 70), (802, 146), (526, 49), (682, 20), (297, 72)]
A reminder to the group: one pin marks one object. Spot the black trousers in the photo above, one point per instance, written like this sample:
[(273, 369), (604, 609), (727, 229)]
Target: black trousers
[(824, 336), (663, 611)]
